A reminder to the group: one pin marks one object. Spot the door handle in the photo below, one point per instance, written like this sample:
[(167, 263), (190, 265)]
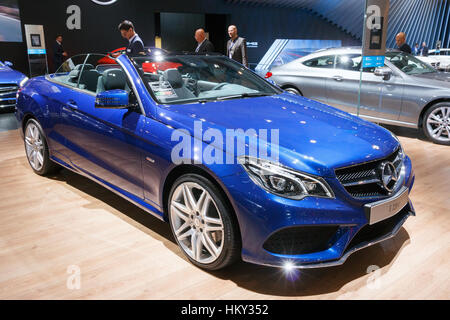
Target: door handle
[(337, 78), (72, 105)]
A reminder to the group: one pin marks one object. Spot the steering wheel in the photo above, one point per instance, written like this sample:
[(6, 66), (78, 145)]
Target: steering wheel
[(407, 68), (219, 86)]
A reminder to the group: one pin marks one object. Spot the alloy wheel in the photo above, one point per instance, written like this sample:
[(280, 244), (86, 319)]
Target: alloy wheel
[(438, 124), (197, 222), (34, 147)]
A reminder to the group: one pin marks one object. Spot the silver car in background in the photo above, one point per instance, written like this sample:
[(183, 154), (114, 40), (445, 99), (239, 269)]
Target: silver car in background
[(405, 92), (439, 60)]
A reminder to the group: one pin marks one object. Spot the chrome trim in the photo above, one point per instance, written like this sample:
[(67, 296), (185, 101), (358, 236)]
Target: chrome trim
[(362, 182)]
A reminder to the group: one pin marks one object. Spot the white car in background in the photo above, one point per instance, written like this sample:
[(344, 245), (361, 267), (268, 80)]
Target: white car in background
[(438, 60)]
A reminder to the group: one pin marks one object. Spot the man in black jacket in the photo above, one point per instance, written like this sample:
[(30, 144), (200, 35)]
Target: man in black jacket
[(424, 50), (135, 44), (58, 53), (203, 44), (400, 39), (237, 46)]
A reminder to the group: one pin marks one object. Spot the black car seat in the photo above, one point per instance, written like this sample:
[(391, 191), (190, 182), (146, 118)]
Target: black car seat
[(89, 80), (112, 79), (74, 75), (173, 76)]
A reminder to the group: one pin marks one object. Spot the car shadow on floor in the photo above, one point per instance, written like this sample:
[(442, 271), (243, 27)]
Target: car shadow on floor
[(258, 279)]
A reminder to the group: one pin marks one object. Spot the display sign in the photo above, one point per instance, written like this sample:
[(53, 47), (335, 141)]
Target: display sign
[(37, 53), (375, 31)]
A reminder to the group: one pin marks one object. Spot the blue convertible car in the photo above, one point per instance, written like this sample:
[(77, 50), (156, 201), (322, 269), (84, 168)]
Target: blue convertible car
[(10, 80), (307, 186)]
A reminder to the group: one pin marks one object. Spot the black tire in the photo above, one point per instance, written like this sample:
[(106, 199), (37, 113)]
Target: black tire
[(48, 166), (293, 90), (231, 249), (444, 139)]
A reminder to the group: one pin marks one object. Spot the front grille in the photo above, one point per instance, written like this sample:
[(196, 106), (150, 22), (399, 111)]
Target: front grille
[(364, 180), (301, 240), (8, 93), (369, 233)]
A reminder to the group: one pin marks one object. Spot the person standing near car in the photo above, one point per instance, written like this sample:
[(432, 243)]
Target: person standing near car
[(58, 52), (203, 44), (416, 49), (237, 46), (424, 50), (400, 39), (135, 44)]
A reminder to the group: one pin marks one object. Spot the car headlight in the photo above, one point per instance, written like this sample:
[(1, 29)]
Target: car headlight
[(283, 181), (24, 80)]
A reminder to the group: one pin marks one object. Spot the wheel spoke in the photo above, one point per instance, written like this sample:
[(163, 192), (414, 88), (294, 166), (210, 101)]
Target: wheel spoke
[(189, 200), (28, 141), (209, 245), (35, 160), (196, 243), (40, 158), (434, 121), (213, 228), (205, 205), (215, 221), (435, 117), (446, 112), (439, 132), (180, 229), (180, 207), (185, 235)]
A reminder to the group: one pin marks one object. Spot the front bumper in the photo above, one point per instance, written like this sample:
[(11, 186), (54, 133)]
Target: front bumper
[(262, 215)]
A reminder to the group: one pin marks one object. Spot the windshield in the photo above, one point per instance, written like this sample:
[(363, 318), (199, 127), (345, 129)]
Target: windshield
[(408, 63), (191, 79)]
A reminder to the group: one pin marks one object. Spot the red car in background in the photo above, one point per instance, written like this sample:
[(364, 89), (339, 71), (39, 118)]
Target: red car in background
[(119, 51)]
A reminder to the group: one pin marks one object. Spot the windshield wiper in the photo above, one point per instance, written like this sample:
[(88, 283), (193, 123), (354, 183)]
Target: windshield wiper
[(245, 95)]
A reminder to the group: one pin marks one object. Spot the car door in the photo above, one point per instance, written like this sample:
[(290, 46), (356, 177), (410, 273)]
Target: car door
[(312, 75), (379, 97), (103, 143)]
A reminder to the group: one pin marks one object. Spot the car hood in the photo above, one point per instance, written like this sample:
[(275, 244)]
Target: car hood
[(8, 75), (313, 137), (439, 79)]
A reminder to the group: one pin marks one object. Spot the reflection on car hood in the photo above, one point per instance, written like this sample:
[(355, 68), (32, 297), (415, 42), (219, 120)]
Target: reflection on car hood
[(313, 137), (443, 77), (8, 75)]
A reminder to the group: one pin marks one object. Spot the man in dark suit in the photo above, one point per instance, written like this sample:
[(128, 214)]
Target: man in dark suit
[(400, 39), (237, 46), (203, 44), (58, 52), (424, 50), (135, 44)]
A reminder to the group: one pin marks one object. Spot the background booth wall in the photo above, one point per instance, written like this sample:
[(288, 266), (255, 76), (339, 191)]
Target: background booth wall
[(99, 23)]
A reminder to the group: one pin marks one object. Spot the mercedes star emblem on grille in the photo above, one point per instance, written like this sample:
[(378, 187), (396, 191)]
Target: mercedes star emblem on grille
[(389, 175)]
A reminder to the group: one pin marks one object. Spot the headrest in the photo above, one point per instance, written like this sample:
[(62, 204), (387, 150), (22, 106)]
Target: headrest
[(173, 76), (114, 79)]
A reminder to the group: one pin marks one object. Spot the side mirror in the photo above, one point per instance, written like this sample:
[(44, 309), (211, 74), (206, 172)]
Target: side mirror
[(112, 99), (8, 64), (384, 72)]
